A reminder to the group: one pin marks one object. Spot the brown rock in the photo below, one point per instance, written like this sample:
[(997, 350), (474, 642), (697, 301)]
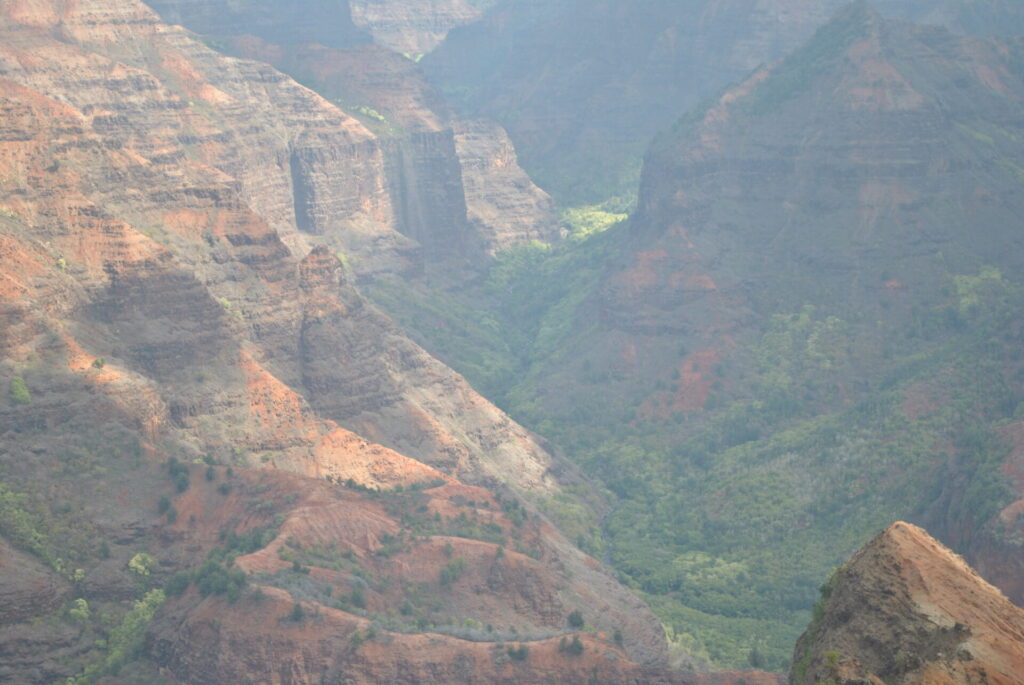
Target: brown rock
[(906, 609)]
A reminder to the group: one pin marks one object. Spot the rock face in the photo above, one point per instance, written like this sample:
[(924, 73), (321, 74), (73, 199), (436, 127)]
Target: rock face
[(504, 205), (459, 189), (409, 27), (873, 180), (215, 285), (583, 86), (832, 178), (906, 610), (168, 290)]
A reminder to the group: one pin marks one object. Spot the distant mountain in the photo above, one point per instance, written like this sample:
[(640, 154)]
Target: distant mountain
[(810, 327), (582, 86), (826, 179), (411, 28)]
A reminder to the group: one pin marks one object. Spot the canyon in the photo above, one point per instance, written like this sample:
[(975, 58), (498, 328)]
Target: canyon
[(309, 381), (167, 301)]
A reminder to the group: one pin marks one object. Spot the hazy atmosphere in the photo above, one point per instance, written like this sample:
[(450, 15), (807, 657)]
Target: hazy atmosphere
[(670, 342)]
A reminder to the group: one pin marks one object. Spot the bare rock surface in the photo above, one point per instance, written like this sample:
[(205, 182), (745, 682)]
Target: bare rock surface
[(907, 610)]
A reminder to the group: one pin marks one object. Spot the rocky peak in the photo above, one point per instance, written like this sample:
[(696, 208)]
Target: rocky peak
[(905, 609)]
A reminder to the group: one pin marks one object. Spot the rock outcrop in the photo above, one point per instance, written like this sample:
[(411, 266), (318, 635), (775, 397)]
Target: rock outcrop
[(459, 190), (168, 290), (171, 247), (582, 87), (907, 610)]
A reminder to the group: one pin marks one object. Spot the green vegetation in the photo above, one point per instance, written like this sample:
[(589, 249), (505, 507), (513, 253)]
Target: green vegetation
[(452, 571), (125, 642), (798, 71), (18, 391), (141, 564), (22, 528), (727, 519), (79, 610), (573, 647), (179, 473)]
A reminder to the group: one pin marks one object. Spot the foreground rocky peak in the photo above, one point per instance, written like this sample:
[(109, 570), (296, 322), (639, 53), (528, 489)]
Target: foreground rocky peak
[(907, 610)]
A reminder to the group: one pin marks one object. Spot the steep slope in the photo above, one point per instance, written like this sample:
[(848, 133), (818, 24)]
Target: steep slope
[(160, 305), (378, 576), (809, 328), (905, 609), (582, 87), (834, 189), (472, 162), (852, 163), (460, 197), (311, 331)]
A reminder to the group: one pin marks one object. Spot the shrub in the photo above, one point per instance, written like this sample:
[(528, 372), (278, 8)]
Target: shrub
[(575, 647), (19, 391), (298, 613), (452, 571), (79, 610), (141, 564), (214, 579), (520, 653), (576, 619), (177, 584)]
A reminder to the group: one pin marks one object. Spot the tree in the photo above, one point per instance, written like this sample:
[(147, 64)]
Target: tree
[(576, 619), (79, 611), (141, 564), (520, 653), (575, 647)]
